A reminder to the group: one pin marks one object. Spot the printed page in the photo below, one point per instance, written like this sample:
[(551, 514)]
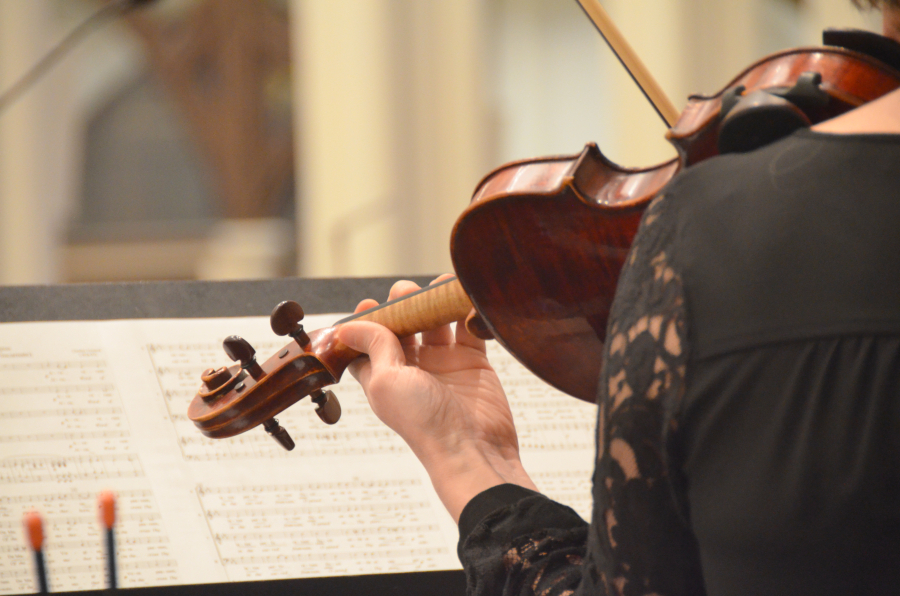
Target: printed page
[(65, 435), (89, 406)]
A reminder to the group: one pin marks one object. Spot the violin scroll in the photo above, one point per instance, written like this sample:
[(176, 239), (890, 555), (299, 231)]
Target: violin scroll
[(234, 399)]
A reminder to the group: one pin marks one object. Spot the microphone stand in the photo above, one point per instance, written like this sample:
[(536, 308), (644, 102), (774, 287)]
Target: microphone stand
[(59, 51)]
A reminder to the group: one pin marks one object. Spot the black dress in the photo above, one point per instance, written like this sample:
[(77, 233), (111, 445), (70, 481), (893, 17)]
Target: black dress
[(749, 421)]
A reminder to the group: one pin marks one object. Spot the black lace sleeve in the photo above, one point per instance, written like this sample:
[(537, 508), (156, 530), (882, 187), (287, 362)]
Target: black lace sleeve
[(638, 542), (530, 545)]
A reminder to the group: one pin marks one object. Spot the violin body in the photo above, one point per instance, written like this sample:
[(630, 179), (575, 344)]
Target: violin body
[(539, 251), (541, 245)]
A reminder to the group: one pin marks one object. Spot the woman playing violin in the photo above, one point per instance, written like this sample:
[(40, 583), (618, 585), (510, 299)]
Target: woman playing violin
[(749, 402)]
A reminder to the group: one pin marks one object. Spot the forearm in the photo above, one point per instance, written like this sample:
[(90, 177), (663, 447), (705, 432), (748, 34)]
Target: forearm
[(458, 474)]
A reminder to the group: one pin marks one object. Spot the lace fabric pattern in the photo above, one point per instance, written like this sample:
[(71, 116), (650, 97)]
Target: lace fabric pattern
[(638, 542)]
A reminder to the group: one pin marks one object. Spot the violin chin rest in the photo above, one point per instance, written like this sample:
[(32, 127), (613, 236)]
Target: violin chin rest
[(758, 119)]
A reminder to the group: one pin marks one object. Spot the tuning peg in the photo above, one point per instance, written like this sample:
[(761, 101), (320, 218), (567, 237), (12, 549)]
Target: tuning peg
[(278, 433), (285, 320), (327, 406), (240, 349)]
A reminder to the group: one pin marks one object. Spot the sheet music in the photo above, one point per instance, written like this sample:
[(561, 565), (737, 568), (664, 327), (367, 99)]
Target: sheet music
[(88, 406)]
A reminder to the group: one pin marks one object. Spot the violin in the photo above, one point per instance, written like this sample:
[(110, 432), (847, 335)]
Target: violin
[(538, 251)]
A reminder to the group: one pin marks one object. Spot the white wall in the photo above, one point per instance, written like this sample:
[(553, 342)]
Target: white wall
[(390, 125), (31, 175), (40, 135)]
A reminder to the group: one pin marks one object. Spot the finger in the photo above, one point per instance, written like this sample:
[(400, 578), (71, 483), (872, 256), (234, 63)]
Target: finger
[(441, 336), (361, 369), (368, 304), (440, 278), (378, 342), (409, 340), (402, 288), (399, 289), (463, 337), (365, 305)]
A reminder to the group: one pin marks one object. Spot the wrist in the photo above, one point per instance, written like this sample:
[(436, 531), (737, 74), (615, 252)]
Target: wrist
[(459, 476)]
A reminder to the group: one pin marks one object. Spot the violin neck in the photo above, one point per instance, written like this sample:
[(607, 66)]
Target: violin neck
[(429, 308)]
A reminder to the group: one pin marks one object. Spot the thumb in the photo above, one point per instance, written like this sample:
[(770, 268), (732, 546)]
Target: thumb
[(377, 341)]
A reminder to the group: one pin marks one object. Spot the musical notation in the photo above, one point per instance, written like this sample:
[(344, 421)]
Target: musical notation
[(69, 544), (291, 491), (99, 434), (89, 388), (139, 518), (73, 550), (357, 557), (62, 469), (96, 569), (313, 443), (101, 405), (61, 412), (62, 365), (355, 526), (63, 430)]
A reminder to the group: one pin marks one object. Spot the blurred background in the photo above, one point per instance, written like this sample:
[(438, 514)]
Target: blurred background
[(225, 139)]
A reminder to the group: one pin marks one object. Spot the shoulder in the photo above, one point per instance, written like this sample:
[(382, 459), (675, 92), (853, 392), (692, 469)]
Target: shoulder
[(775, 242)]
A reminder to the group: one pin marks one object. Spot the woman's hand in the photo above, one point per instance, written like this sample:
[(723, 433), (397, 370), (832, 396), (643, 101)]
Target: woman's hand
[(444, 399)]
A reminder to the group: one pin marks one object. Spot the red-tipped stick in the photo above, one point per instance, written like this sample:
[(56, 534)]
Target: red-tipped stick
[(107, 503), (34, 529)]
